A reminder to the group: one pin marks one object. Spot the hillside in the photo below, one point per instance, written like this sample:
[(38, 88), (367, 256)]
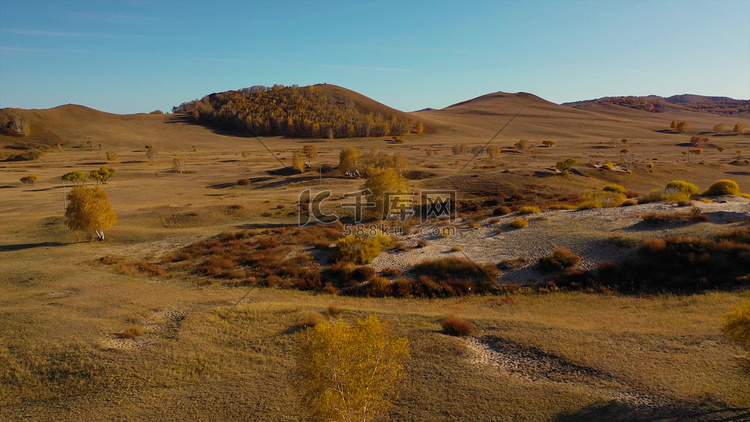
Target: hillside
[(715, 105), (314, 111)]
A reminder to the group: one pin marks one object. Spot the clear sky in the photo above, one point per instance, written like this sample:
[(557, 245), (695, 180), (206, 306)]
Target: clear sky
[(138, 56)]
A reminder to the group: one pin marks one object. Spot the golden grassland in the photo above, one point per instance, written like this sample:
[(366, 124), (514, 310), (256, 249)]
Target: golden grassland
[(80, 340)]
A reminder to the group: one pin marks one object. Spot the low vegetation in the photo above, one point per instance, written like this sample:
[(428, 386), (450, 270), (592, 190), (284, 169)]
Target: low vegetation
[(349, 373), (455, 326)]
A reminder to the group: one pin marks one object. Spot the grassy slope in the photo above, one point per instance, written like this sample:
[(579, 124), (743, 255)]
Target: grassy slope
[(224, 364)]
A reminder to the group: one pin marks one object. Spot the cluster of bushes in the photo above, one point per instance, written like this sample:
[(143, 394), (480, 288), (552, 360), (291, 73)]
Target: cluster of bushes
[(680, 190), (361, 249), (307, 112), (679, 264), (253, 257)]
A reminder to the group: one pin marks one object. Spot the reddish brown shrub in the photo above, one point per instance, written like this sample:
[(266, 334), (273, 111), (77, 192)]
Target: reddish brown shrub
[(456, 326)]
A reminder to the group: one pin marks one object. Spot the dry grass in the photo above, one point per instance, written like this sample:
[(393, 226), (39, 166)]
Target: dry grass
[(226, 362)]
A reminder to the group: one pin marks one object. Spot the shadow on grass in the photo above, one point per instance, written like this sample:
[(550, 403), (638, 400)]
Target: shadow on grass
[(690, 412), (22, 246)]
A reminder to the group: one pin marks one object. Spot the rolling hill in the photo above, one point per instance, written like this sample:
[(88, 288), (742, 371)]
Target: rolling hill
[(313, 111), (724, 106)]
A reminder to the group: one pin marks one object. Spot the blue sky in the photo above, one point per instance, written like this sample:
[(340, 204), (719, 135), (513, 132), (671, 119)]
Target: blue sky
[(139, 56)]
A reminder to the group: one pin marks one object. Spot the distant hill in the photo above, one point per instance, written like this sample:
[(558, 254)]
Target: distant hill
[(716, 105), (314, 111)]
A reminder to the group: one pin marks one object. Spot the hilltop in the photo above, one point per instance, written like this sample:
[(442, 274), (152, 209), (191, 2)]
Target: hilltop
[(653, 103), (313, 111)]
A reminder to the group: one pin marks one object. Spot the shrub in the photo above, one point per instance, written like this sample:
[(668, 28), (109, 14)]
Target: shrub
[(661, 219), (604, 199), (361, 249), (680, 190), (737, 325), (502, 210), (629, 202), (390, 272), (131, 332), (455, 326), (334, 310), (723, 187), (519, 223), (378, 287), (456, 249), (589, 205), (311, 319), (529, 210), (608, 166), (614, 188), (650, 165), (566, 207), (561, 259)]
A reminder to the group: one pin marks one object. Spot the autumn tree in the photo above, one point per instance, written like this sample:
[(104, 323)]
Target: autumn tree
[(493, 152), (89, 209), (399, 163), (102, 175), (178, 164), (721, 148), (150, 152), (311, 153), (719, 128), (737, 325), (522, 145), (549, 143), (699, 141), (739, 128), (30, 180), (680, 126), (75, 177), (298, 162), (350, 162), (244, 183), (348, 373), (113, 156), (564, 166), (458, 149), (389, 191)]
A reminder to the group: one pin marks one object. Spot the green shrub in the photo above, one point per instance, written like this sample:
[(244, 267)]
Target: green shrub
[(561, 259), (723, 187), (519, 223), (529, 210), (614, 188), (456, 326), (361, 249)]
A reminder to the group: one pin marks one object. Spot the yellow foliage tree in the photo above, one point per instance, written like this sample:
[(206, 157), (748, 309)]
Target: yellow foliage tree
[(349, 373), (737, 325), (89, 209), (349, 162), (311, 153), (298, 162), (30, 179), (386, 185), (494, 152), (178, 164), (739, 128)]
